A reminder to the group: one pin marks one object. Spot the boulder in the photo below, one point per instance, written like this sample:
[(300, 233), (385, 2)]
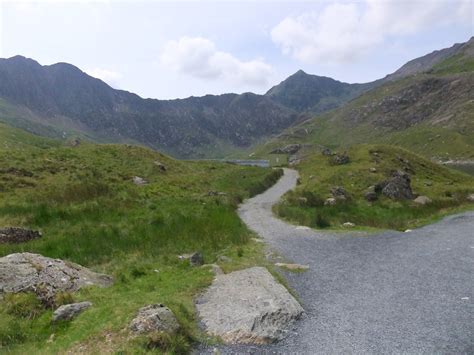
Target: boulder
[(331, 201), (340, 159), (27, 272), (137, 180), (196, 259), (373, 170), (339, 193), (17, 235), (69, 311), (288, 149), (326, 152), (154, 318), (370, 195), (470, 197), (397, 187), (422, 200), (160, 165), (247, 306)]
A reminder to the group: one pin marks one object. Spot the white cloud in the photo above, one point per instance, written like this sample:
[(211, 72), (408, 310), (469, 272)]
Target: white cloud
[(110, 77), (343, 31), (199, 57)]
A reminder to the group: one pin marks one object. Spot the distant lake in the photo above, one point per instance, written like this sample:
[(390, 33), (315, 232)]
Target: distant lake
[(467, 168)]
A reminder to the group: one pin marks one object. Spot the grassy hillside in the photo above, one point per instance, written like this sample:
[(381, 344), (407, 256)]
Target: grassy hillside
[(448, 190), (430, 113), (84, 202)]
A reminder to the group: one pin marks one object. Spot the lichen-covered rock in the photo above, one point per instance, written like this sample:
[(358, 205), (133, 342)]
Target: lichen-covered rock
[(340, 159), (27, 272), (398, 187), (154, 318), (196, 259), (17, 235), (70, 311), (247, 306), (339, 193)]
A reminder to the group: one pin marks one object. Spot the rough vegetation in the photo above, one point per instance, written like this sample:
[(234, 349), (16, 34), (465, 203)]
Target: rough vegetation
[(83, 200), (376, 189)]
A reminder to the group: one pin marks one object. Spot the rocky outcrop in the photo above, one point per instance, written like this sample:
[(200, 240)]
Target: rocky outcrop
[(398, 187), (70, 311), (154, 318), (26, 272), (247, 306), (17, 235), (289, 149)]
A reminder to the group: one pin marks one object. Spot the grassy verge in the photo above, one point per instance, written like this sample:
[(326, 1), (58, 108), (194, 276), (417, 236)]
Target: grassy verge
[(87, 207), (448, 190)]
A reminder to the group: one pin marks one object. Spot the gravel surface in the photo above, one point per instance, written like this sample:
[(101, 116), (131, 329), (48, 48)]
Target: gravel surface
[(386, 293)]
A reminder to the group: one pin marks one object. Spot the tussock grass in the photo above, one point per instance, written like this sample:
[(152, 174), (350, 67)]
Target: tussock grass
[(89, 211)]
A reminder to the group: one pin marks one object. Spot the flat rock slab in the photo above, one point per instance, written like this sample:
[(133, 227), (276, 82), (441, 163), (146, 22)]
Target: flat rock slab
[(27, 272), (293, 267), (247, 307), (70, 311)]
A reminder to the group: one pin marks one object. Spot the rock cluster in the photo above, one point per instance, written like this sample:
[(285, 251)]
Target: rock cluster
[(17, 235), (288, 149), (247, 306), (26, 272)]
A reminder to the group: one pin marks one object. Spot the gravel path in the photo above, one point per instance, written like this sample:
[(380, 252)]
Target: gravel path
[(386, 293)]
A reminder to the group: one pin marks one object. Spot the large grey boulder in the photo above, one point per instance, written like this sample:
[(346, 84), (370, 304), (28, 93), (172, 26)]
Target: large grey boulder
[(27, 272), (70, 311), (247, 306), (152, 318)]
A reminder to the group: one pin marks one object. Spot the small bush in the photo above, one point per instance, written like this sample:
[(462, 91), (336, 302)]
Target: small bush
[(322, 222)]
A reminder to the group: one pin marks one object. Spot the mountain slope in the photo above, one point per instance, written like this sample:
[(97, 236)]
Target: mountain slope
[(304, 92), (61, 95), (431, 113)]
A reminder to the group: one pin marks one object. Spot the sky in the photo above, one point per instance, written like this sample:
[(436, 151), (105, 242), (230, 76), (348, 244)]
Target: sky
[(177, 49)]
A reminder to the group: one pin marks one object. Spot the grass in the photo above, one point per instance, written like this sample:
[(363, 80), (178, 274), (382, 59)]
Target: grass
[(448, 190), (83, 201)]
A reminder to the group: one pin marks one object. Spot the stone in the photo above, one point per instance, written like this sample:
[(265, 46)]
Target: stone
[(288, 149), (422, 200), (226, 259), (247, 306), (196, 259), (339, 193), (397, 187), (17, 235), (331, 201), (293, 267), (340, 159), (137, 180), (160, 165), (154, 318), (373, 170), (326, 152), (348, 224), (27, 272), (70, 311), (371, 196), (470, 197)]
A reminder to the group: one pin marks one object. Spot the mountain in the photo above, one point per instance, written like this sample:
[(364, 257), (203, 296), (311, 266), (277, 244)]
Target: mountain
[(426, 106), (63, 98), (305, 92)]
